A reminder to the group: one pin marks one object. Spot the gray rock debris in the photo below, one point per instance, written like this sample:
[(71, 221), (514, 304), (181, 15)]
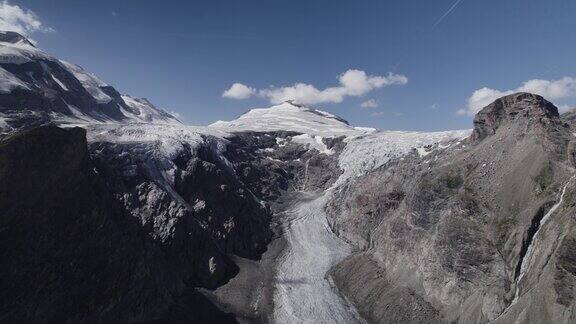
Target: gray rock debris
[(442, 237)]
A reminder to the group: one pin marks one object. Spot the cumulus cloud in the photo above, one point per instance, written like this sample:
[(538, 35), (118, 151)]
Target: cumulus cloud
[(23, 21), (549, 89), (371, 103), (352, 83), (239, 91)]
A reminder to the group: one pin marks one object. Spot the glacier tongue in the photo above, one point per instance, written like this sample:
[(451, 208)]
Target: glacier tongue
[(303, 294)]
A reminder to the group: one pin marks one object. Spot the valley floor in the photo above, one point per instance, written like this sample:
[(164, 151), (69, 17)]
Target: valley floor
[(289, 283)]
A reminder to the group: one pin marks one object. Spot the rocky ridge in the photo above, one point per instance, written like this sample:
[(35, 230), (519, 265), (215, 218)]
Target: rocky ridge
[(444, 237)]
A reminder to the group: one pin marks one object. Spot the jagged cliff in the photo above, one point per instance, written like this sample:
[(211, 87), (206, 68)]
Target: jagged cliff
[(64, 236)]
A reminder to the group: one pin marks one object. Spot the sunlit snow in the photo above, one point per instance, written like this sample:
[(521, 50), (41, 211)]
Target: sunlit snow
[(290, 117)]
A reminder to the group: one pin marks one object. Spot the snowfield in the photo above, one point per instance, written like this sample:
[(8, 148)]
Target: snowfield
[(89, 81), (9, 82), (144, 111), (165, 139), (19, 50), (291, 117), (363, 154), (366, 148)]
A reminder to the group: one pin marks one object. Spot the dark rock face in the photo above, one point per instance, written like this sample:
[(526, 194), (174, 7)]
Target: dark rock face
[(14, 38), (271, 164), (71, 252), (205, 208), (446, 236), (47, 95), (565, 274)]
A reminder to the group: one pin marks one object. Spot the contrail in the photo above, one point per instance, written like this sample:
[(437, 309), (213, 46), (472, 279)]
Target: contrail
[(454, 5), (424, 31)]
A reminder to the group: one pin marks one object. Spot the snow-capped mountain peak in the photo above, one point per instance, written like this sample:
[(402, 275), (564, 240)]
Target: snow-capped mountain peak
[(289, 116), (144, 111), (15, 39), (64, 91)]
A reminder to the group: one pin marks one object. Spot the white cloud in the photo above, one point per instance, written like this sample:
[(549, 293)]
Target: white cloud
[(371, 103), (23, 21), (239, 91), (551, 90), (352, 83)]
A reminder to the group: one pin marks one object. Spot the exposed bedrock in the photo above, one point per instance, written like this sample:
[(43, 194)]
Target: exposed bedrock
[(193, 203), (87, 242), (443, 236), (274, 163), (52, 88), (149, 228)]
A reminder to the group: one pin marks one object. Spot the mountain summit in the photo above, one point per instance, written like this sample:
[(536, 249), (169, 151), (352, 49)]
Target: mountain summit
[(515, 110), (289, 116), (49, 88), (14, 38)]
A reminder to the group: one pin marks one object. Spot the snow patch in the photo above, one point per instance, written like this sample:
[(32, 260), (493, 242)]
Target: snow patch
[(89, 81), (9, 82), (211, 265), (3, 124), (20, 53), (199, 205), (144, 111), (167, 139), (422, 151), (60, 83), (313, 142)]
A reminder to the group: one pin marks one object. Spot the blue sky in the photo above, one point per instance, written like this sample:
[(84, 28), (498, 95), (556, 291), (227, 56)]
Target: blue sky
[(182, 55)]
